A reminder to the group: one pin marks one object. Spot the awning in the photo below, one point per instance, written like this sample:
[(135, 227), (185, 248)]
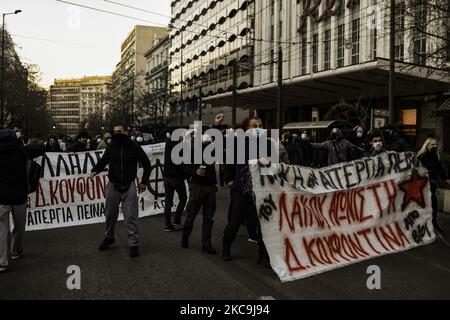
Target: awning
[(444, 108), (316, 125), (367, 80)]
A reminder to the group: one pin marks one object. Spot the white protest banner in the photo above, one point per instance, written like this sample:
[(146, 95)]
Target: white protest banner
[(66, 196), (315, 220)]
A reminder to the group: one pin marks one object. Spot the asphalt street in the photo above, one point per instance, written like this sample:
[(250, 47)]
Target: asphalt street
[(166, 271)]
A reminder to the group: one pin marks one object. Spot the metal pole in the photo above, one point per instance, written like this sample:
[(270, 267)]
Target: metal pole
[(166, 88), (233, 111), (200, 102), (280, 89), (181, 83), (2, 120), (392, 64)]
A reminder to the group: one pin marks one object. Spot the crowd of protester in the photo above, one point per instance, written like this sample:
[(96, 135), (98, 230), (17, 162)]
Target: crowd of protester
[(295, 148), (82, 142)]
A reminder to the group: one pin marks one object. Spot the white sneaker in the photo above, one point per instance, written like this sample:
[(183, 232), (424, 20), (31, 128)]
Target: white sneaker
[(3, 268), (252, 240)]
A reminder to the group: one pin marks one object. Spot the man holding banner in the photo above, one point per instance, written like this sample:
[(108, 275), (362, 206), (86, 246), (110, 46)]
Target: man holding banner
[(122, 156), (237, 178)]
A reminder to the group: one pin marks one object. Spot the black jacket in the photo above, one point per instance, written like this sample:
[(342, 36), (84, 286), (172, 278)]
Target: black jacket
[(300, 153), (337, 151), (362, 144), (78, 147), (172, 170), (397, 143), (123, 155), (240, 173), (13, 179), (434, 166), (209, 179)]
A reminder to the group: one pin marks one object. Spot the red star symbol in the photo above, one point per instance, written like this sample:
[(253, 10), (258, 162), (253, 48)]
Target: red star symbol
[(413, 190)]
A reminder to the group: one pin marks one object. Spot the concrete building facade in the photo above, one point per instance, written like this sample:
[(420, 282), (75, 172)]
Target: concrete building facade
[(115, 85), (157, 79), (64, 105), (95, 96), (133, 64), (70, 101), (339, 50), (207, 38)]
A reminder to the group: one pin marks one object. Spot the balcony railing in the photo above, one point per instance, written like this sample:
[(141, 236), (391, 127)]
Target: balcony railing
[(159, 67)]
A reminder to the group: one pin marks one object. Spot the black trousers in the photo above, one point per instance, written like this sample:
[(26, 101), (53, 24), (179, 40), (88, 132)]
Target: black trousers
[(434, 201), (221, 175), (201, 196), (242, 209), (250, 220), (170, 186)]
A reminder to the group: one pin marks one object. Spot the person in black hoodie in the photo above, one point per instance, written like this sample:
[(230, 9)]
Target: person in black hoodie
[(358, 137), (123, 155), (294, 150), (13, 194), (337, 148), (174, 180), (202, 193), (218, 124), (301, 152), (238, 179), (393, 141), (429, 157)]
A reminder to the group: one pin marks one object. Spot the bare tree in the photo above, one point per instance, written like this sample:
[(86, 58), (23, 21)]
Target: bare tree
[(25, 100), (423, 34)]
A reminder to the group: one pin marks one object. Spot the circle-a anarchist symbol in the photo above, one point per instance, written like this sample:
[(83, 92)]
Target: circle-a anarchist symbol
[(156, 182)]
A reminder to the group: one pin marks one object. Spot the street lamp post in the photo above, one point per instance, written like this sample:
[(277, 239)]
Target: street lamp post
[(392, 63), (2, 99)]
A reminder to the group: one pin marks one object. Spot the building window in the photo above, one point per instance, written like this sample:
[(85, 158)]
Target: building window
[(420, 49), (280, 30), (272, 10), (327, 44), (341, 40), (399, 30), (420, 43), (304, 49), (315, 52), (355, 41), (375, 39), (409, 117), (355, 33), (272, 64)]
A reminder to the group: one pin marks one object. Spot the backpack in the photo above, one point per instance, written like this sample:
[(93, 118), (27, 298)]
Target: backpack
[(33, 172)]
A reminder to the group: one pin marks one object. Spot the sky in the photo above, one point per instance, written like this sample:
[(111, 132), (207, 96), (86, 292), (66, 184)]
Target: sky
[(68, 41)]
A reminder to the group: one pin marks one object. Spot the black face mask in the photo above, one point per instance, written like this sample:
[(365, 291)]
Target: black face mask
[(433, 149), (336, 136), (120, 138)]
